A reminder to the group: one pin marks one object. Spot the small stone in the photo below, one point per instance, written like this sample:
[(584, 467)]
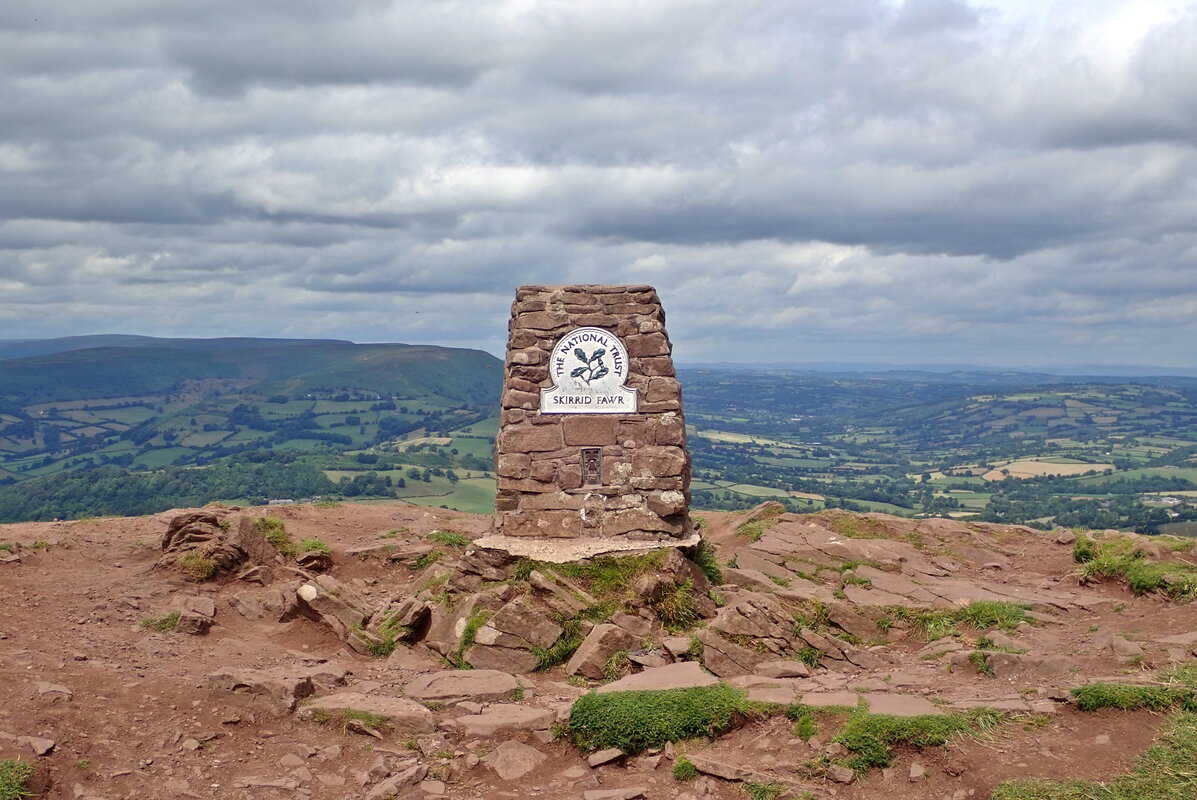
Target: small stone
[(604, 756), (45, 687), (512, 760), (841, 774), (917, 771), (1101, 738), (627, 793), (291, 760), (39, 745)]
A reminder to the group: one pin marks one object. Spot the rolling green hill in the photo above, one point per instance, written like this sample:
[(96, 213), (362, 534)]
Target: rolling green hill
[(189, 403), (140, 424)]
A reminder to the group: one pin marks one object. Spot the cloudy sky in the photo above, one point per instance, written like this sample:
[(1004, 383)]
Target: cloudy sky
[(921, 181)]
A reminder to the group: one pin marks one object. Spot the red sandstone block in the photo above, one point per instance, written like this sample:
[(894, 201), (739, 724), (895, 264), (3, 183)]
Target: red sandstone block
[(646, 345), (541, 321), (590, 430), (516, 399), (530, 439)]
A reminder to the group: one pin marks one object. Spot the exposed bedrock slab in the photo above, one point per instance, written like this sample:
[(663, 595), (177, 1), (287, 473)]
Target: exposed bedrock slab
[(451, 686), (682, 675)]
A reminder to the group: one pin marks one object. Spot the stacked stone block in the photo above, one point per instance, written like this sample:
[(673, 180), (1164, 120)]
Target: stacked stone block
[(644, 494)]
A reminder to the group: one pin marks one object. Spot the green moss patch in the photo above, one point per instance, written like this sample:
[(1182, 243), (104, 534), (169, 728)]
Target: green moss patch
[(635, 721)]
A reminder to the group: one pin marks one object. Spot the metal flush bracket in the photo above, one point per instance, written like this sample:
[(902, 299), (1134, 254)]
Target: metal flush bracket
[(592, 466)]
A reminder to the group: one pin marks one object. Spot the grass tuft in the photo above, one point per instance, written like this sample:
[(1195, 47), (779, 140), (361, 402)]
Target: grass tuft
[(14, 780), (873, 737), (472, 626), (635, 721), (704, 557), (162, 624), (1093, 696), (1119, 558), (978, 614), (1165, 771), (449, 539), (198, 565), (981, 662), (312, 545), (427, 560), (274, 531), (684, 769), (678, 610), (763, 791)]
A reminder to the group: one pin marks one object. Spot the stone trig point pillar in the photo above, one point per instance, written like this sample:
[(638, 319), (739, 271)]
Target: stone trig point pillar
[(591, 455)]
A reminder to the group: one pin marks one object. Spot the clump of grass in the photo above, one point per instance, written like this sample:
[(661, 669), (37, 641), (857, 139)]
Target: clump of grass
[(979, 660), (978, 614), (992, 614), (873, 737), (428, 559), (468, 634), (390, 632), (617, 665), (608, 576), (274, 531), (1163, 772), (561, 650), (704, 557), (198, 565), (678, 609), (635, 721), (811, 656), (805, 725), (449, 539), (1093, 696), (40, 545), (371, 720), (163, 623), (367, 718), (763, 791), (327, 504), (754, 530), (14, 780), (684, 769), (1119, 558), (8, 547), (813, 615), (849, 525), (312, 545)]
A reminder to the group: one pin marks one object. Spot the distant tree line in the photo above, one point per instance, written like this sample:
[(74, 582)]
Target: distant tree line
[(112, 490)]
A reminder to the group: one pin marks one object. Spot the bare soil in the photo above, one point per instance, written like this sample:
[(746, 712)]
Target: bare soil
[(130, 714)]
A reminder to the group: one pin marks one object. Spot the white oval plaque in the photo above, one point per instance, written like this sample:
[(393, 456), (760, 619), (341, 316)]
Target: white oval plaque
[(589, 367)]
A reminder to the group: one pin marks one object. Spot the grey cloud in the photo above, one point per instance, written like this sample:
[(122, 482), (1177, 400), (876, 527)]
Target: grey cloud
[(924, 180)]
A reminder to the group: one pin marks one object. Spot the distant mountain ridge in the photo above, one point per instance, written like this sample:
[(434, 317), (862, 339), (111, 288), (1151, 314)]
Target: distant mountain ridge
[(94, 367), (25, 348)]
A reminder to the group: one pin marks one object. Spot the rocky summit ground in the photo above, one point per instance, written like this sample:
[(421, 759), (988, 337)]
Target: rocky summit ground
[(323, 653)]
